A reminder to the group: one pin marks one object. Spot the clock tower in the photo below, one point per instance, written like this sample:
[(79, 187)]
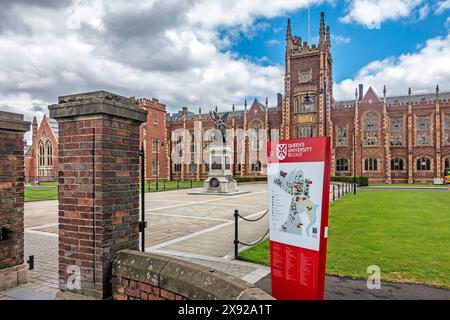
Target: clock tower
[(308, 86)]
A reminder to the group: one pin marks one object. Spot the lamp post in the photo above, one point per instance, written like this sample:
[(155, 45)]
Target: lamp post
[(354, 161), (157, 163), (324, 92)]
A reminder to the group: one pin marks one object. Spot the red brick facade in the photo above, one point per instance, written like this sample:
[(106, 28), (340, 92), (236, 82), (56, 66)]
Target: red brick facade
[(403, 138), (41, 158)]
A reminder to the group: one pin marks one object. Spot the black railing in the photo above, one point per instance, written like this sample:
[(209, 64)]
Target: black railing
[(341, 189), (236, 241), (164, 185)]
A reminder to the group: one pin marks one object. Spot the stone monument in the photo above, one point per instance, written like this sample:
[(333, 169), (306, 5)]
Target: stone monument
[(220, 179)]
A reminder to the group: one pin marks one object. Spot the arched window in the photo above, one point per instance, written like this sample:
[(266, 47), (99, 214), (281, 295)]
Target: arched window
[(342, 164), (397, 164), (423, 164), (371, 129), (155, 119), (41, 148), (447, 129), (49, 154), (256, 135), (256, 166), (371, 164)]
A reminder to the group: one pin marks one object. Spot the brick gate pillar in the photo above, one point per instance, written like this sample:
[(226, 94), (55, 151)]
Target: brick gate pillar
[(98, 172), (12, 270)]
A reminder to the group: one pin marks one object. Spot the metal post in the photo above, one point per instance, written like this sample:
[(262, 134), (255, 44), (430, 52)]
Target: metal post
[(354, 161), (157, 163), (236, 236), (164, 185), (143, 223), (334, 196), (325, 106)]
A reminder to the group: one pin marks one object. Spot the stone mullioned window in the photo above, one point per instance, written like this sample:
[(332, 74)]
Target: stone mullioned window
[(342, 165), (447, 129), (371, 129), (371, 164), (304, 104), (398, 164), (396, 127), (423, 124), (305, 131)]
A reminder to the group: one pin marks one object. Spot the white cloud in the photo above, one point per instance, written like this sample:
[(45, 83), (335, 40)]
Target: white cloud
[(273, 42), (421, 70), (340, 39), (371, 13), (442, 6), (175, 50)]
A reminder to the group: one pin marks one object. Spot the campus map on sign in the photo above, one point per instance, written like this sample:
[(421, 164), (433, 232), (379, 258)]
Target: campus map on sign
[(296, 197), (297, 186)]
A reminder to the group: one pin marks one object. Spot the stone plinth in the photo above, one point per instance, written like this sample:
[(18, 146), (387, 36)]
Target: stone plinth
[(220, 178), (12, 270), (98, 187)]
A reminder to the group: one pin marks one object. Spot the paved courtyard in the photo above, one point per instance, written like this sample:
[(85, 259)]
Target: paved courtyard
[(198, 228)]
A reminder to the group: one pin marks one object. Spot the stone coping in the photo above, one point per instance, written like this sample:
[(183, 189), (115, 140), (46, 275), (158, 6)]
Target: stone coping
[(13, 122), (187, 279), (98, 102)]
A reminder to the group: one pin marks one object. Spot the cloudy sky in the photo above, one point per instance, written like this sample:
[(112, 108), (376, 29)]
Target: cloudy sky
[(202, 53)]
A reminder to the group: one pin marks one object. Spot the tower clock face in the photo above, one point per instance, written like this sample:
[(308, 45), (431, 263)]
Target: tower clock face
[(304, 76)]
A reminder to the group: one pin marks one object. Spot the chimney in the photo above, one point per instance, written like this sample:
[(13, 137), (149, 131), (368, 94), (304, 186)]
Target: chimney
[(361, 92), (279, 99)]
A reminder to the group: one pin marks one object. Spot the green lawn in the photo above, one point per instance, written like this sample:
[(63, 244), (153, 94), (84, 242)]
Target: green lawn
[(405, 232), (40, 194)]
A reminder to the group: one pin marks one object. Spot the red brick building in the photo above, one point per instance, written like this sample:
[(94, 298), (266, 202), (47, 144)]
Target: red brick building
[(41, 158), (390, 139)]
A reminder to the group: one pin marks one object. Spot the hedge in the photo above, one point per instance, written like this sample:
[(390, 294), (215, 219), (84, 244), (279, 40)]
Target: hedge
[(361, 181), (250, 179)]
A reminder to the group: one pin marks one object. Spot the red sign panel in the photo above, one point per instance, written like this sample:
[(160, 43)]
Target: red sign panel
[(299, 186)]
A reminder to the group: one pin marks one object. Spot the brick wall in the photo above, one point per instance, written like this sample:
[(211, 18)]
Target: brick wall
[(12, 128), (97, 216), (127, 289)]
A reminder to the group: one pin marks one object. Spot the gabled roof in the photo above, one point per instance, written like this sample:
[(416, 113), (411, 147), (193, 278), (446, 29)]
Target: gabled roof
[(256, 103), (53, 124), (370, 94)]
